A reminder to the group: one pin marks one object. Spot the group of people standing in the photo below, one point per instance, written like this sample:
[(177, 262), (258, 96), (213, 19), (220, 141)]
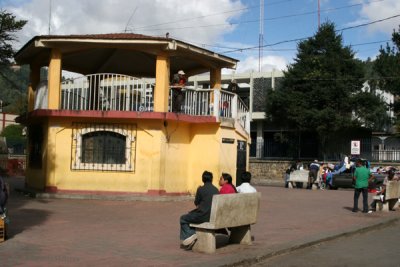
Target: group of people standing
[(203, 201)]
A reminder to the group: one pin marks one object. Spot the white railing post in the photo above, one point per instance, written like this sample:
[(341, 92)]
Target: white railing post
[(234, 107), (216, 107), (247, 127)]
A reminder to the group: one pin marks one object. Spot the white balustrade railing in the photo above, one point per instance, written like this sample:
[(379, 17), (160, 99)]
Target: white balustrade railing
[(225, 104), (191, 101), (124, 93), (107, 92), (243, 115)]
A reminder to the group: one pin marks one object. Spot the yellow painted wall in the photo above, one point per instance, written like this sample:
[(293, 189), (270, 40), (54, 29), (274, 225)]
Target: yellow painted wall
[(203, 154), (170, 157), (177, 148), (138, 180)]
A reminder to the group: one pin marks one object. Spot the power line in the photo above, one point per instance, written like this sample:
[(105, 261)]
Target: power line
[(304, 38), (342, 79), (369, 23), (244, 21), (281, 49), (211, 15)]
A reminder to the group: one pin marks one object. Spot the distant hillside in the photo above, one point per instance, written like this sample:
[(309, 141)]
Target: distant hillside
[(13, 89)]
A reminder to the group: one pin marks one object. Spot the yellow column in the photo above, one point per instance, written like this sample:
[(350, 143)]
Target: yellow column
[(161, 90), (54, 83), (34, 79), (215, 78), (50, 156)]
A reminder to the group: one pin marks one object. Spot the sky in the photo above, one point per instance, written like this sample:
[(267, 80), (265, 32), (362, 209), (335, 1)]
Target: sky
[(229, 27)]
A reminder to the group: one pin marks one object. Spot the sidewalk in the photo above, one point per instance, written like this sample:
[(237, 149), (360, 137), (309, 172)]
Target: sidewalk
[(78, 232)]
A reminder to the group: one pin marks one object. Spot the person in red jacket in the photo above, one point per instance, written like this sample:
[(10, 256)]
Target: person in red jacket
[(226, 184)]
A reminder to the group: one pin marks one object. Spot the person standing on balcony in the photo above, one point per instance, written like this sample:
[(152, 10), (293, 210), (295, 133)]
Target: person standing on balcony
[(178, 96), (233, 87), (225, 108)]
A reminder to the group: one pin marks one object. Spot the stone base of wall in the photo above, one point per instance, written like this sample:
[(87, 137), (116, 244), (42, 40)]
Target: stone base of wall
[(268, 171), (271, 172)]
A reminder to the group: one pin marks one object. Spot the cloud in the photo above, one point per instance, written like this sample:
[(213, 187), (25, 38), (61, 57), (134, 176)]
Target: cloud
[(189, 22), (268, 64), (372, 11), (156, 17)]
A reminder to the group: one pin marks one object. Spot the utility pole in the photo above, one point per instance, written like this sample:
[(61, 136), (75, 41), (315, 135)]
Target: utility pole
[(261, 36), (49, 15), (319, 15)]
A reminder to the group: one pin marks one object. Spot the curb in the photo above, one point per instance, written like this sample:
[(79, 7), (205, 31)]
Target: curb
[(285, 248), (41, 195)]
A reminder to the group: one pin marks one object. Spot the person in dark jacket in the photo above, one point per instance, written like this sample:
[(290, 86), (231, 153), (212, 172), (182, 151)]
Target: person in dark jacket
[(200, 214), (3, 197), (233, 86)]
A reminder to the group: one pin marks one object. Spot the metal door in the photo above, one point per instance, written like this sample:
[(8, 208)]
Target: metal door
[(241, 160)]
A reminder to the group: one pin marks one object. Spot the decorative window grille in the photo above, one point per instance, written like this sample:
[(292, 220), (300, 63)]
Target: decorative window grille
[(103, 147)]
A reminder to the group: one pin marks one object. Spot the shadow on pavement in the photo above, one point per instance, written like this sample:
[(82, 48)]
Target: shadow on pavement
[(21, 217), (348, 208)]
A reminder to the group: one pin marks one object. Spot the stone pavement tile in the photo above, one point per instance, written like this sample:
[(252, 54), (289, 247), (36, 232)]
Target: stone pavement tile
[(66, 232)]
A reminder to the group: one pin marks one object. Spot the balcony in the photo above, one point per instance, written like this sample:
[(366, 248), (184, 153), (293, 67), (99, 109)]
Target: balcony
[(115, 92)]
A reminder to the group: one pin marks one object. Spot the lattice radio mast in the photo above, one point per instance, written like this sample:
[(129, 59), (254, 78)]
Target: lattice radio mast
[(49, 16), (261, 36), (319, 15)]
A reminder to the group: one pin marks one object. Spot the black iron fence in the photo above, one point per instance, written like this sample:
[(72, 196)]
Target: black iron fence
[(309, 149), (386, 155)]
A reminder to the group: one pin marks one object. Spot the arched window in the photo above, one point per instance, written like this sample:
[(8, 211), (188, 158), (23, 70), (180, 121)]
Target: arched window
[(103, 147)]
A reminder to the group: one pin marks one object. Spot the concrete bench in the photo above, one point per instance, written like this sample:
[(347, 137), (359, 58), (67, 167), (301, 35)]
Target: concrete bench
[(298, 176), (234, 211), (392, 195)]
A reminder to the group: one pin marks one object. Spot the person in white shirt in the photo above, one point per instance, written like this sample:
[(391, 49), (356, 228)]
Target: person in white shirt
[(245, 187)]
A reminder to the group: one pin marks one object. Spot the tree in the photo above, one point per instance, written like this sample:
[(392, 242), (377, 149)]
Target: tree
[(8, 27), (13, 130), (322, 91), (387, 70), (15, 137), (13, 89), (10, 83)]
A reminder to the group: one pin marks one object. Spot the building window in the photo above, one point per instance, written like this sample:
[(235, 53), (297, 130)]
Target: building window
[(105, 147)]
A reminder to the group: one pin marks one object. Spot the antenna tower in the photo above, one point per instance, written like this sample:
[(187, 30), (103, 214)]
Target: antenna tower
[(261, 36), (49, 15), (319, 15)]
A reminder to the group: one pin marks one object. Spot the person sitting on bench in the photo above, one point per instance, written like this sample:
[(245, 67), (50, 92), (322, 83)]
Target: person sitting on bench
[(246, 187), (226, 184), (381, 193), (200, 214)]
